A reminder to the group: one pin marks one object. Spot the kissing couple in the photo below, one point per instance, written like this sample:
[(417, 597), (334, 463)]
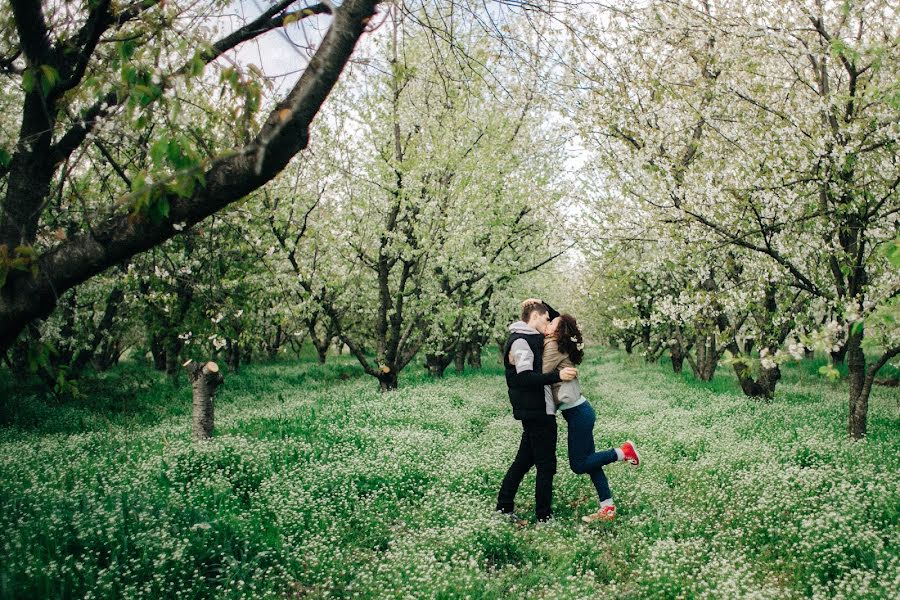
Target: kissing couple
[(540, 357)]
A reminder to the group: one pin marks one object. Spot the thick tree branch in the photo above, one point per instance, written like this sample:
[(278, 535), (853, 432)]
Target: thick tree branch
[(85, 42), (230, 178), (885, 358), (32, 29)]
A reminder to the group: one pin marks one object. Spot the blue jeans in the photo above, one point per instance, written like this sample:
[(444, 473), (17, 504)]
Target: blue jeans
[(583, 457)]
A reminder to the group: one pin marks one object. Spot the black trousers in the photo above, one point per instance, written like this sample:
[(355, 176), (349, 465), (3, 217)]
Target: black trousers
[(537, 448)]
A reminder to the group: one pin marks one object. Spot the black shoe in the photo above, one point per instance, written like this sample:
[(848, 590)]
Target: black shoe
[(512, 518)]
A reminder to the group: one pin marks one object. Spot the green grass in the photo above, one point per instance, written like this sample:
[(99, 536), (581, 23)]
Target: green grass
[(316, 485)]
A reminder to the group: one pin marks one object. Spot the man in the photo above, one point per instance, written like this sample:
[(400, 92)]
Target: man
[(523, 359)]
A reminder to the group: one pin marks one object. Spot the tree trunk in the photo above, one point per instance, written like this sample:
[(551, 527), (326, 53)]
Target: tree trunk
[(475, 356), (205, 379), (66, 350), (387, 379), (629, 344), (838, 356), (436, 365), (277, 341), (108, 354), (459, 360), (157, 349), (104, 349), (677, 355), (322, 353), (173, 348), (232, 355), (763, 386), (860, 385), (21, 350), (707, 358), (319, 343)]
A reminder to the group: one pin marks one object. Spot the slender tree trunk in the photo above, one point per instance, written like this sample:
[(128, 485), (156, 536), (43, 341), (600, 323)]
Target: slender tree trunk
[(173, 348), (677, 355), (103, 349), (205, 379), (322, 353), (277, 341), (67, 331), (158, 350), (860, 385), (629, 344), (459, 360), (232, 355), (319, 343), (475, 356)]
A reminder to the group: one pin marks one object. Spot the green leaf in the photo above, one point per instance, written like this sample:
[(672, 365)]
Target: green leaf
[(159, 210), (49, 74), (5, 157), (126, 49), (857, 327), (129, 74), (183, 186), (196, 66), (28, 80), (158, 151), (49, 78)]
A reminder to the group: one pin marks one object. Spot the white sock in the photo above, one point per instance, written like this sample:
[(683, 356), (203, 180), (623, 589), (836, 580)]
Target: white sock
[(619, 454), (607, 502)]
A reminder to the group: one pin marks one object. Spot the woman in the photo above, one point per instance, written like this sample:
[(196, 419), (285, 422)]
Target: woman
[(563, 344)]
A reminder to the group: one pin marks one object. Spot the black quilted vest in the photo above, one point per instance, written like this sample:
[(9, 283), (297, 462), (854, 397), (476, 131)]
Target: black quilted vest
[(527, 403)]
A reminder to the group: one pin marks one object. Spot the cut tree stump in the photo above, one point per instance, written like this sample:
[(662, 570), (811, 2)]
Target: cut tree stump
[(205, 379)]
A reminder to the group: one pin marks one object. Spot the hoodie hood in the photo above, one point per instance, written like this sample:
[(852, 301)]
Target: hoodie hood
[(522, 327)]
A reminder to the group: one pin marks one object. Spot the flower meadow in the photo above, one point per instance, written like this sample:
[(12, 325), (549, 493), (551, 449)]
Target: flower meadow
[(316, 485)]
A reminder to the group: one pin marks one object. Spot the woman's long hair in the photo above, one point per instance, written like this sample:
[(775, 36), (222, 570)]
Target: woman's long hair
[(568, 337)]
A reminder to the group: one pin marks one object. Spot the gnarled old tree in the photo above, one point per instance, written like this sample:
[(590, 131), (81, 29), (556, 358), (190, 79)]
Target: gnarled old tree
[(80, 73)]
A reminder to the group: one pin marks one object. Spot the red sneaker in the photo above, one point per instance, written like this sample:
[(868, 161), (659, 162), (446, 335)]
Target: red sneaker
[(606, 513), (631, 453)]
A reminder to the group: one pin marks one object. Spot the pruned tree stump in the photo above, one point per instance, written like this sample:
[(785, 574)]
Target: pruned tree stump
[(205, 379)]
